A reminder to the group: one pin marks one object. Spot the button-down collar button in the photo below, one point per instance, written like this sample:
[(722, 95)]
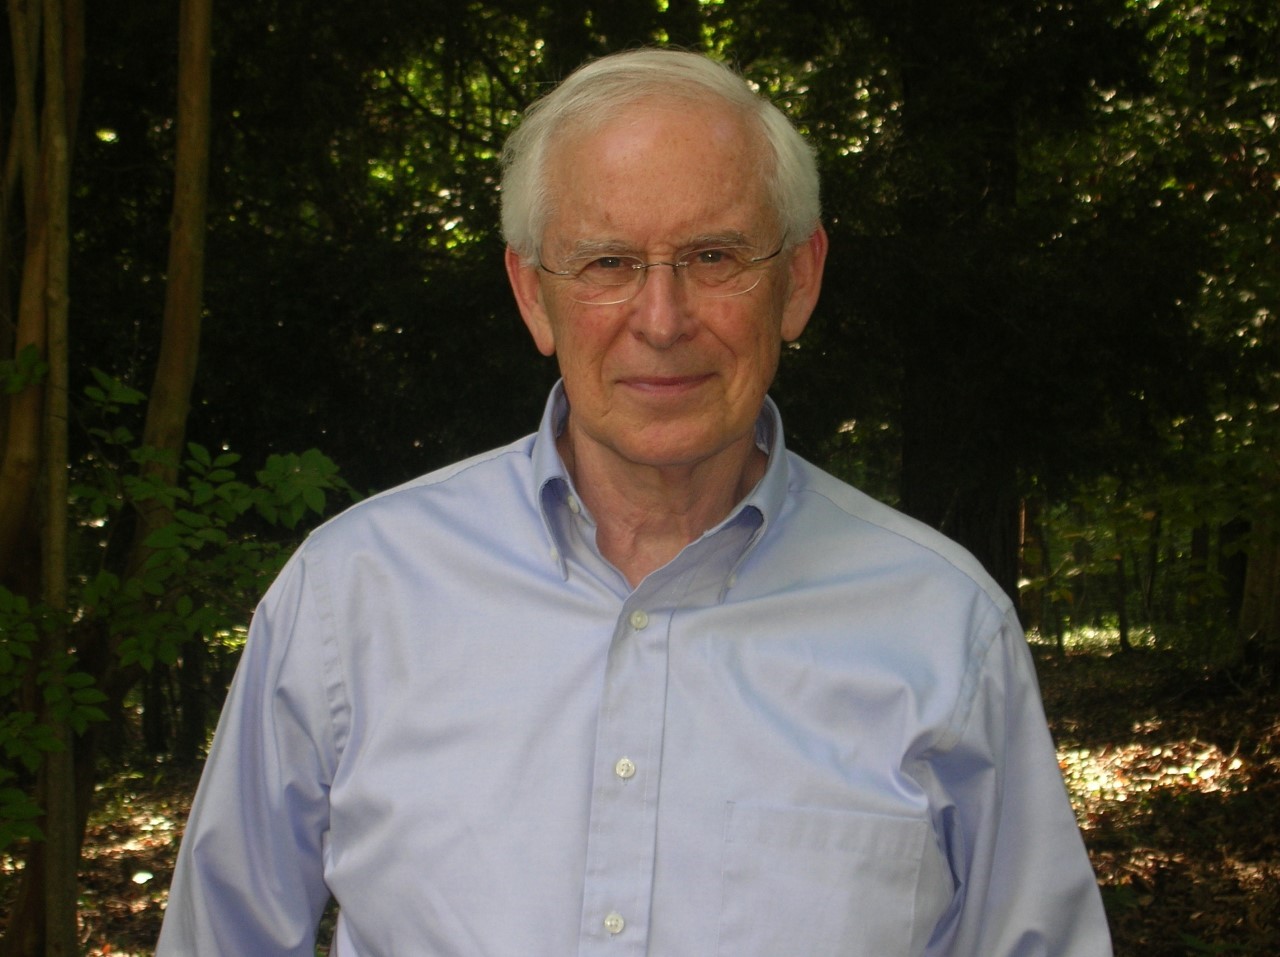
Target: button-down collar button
[(639, 620), (614, 923), (574, 505), (625, 768)]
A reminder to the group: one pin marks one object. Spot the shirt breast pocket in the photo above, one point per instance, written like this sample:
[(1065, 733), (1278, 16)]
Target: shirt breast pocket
[(803, 882)]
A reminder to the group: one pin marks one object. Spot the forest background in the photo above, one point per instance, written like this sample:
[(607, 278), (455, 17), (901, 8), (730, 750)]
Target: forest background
[(250, 270)]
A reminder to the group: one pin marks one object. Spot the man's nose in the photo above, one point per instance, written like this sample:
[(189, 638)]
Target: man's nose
[(660, 312)]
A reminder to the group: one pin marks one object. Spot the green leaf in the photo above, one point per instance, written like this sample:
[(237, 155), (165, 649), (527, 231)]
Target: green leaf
[(18, 814), (202, 493), (113, 391), (169, 536), (26, 369), (200, 454), (81, 717), (314, 497)]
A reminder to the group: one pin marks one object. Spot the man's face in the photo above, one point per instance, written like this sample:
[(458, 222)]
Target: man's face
[(668, 378)]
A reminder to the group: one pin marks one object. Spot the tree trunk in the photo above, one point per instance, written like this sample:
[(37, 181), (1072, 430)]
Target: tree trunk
[(973, 502), (165, 428), (957, 172), (35, 449), (156, 710), (61, 830), (25, 933), (193, 713), (1155, 535), (1031, 550), (175, 374), (1122, 600), (1259, 626), (1199, 604), (1233, 564), (20, 462)]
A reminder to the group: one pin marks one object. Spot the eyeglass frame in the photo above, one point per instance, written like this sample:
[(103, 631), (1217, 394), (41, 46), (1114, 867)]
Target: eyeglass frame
[(643, 269)]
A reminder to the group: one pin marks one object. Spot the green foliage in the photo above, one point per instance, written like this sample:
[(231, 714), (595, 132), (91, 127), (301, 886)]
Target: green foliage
[(25, 735), (27, 369), (201, 572), (18, 635), (70, 695), (23, 738), (1156, 554), (207, 566), (109, 394), (18, 812), (292, 485)]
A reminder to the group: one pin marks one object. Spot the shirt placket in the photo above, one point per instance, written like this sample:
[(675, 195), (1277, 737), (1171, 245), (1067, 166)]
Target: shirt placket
[(622, 837)]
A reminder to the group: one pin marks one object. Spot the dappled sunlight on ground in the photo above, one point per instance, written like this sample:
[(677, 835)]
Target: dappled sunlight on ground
[(128, 862), (1176, 783), (1127, 771)]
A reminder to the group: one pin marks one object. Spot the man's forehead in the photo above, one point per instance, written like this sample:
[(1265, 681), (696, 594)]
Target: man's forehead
[(681, 176)]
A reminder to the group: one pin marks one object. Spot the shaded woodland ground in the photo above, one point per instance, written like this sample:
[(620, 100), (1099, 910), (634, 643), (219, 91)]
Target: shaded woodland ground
[(1175, 776), (1176, 782)]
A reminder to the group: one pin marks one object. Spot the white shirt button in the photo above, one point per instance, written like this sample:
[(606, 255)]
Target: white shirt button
[(614, 923), (625, 768), (639, 620), (574, 506)]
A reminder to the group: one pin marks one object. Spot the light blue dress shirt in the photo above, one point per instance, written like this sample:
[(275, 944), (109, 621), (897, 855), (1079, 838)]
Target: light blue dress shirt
[(816, 732)]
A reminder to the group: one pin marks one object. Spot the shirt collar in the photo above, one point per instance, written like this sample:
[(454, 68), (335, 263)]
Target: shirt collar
[(559, 501)]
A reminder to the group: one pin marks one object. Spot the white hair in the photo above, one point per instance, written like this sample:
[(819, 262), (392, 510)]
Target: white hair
[(597, 91)]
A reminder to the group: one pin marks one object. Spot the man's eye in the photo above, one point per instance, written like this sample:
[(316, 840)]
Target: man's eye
[(607, 264), (711, 257)]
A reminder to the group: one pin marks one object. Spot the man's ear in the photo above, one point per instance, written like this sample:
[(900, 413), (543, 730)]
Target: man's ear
[(806, 264), (528, 291)]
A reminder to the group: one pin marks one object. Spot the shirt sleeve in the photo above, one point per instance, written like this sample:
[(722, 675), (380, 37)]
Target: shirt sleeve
[(250, 872), (1025, 885)]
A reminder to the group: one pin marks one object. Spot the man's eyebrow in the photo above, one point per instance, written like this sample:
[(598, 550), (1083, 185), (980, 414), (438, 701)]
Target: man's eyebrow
[(591, 248), (730, 238)]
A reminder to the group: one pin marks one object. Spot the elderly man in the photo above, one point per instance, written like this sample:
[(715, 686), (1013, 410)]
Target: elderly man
[(643, 682)]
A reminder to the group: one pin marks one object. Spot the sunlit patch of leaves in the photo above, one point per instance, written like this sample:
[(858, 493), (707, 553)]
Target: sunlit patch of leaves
[(1123, 772), (127, 862), (1175, 778)]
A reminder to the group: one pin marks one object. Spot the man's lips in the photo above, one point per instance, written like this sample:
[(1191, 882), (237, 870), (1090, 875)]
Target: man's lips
[(664, 384)]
